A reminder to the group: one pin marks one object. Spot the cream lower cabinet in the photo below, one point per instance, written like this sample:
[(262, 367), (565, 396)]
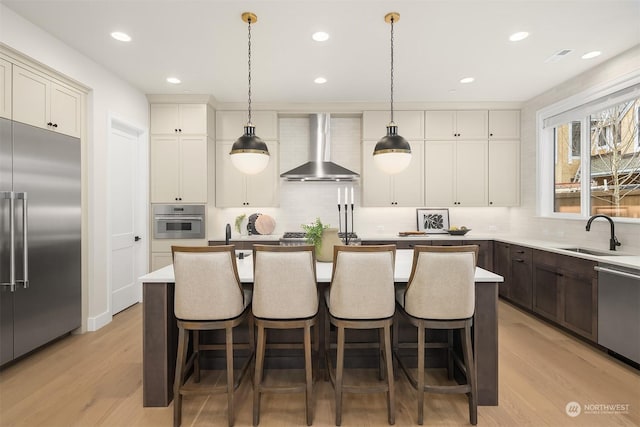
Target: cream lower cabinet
[(43, 102), (235, 189), (403, 189), (179, 169), (504, 173), (456, 173)]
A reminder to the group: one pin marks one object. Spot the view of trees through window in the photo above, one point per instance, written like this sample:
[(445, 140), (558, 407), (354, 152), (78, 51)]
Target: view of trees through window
[(613, 155)]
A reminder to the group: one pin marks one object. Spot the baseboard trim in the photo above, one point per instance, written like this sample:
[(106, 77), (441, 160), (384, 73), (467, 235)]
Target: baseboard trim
[(97, 322)]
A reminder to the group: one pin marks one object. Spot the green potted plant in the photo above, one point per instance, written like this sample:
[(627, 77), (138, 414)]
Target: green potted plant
[(314, 233), (323, 238)]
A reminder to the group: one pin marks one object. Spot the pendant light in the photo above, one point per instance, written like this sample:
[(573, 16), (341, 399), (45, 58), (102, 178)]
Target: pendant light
[(392, 153), (249, 154)]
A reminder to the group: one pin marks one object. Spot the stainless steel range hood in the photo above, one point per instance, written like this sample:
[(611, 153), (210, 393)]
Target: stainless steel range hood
[(320, 167)]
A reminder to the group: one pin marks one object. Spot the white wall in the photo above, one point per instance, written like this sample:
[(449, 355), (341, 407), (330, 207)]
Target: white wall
[(523, 220), (109, 95)]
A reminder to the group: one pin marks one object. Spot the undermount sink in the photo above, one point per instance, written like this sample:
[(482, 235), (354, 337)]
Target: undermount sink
[(591, 251)]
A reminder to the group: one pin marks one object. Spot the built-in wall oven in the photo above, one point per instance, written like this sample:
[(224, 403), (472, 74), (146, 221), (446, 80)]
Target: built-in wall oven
[(179, 221)]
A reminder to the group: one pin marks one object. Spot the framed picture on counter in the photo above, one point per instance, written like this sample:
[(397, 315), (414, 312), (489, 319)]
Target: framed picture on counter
[(433, 221)]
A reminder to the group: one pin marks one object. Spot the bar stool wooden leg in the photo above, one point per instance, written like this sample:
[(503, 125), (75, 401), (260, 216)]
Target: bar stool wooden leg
[(388, 358), (339, 372), (467, 350), (230, 383), (381, 361), (196, 358), (450, 354), (308, 373), (257, 382), (183, 343), (396, 346), (420, 388)]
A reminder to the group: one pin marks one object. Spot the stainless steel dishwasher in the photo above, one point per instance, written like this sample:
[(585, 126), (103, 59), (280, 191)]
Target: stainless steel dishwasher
[(619, 310)]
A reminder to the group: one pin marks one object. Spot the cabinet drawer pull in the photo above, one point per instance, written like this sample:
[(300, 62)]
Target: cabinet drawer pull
[(518, 260), (519, 252)]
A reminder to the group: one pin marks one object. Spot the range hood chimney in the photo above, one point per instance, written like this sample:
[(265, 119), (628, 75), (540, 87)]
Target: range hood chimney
[(320, 167)]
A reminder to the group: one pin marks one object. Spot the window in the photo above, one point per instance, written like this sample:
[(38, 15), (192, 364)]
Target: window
[(590, 155)]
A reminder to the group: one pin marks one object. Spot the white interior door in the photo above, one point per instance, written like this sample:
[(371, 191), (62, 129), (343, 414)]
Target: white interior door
[(127, 216)]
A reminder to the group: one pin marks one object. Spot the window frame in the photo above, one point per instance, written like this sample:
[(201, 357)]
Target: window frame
[(591, 99)]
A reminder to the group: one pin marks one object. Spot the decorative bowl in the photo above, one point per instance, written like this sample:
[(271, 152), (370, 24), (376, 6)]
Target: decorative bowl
[(459, 232)]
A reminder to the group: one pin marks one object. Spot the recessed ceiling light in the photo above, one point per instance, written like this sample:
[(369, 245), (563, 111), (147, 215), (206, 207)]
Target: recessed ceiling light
[(320, 80), (174, 80), (520, 35), (320, 36), (467, 80), (123, 37), (591, 54)]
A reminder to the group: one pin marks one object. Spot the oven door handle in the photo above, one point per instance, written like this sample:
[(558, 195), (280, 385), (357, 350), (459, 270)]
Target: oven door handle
[(178, 219)]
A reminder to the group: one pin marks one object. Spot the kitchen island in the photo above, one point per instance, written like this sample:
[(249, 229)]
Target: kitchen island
[(160, 330)]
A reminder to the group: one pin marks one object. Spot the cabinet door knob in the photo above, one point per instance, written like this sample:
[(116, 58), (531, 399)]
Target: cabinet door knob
[(55, 125), (175, 130), (49, 124), (179, 130), (490, 134)]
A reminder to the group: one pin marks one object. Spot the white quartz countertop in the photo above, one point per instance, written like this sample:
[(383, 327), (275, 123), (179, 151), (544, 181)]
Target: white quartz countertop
[(404, 261), (622, 258)]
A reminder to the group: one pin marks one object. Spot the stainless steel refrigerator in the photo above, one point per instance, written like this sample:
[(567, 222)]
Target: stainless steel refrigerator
[(40, 226)]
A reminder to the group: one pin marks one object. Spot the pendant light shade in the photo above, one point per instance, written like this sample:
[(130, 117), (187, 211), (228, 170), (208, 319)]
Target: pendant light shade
[(249, 154), (392, 153)]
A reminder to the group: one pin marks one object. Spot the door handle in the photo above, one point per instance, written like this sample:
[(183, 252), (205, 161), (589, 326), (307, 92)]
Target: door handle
[(137, 239), (25, 243), (11, 284)]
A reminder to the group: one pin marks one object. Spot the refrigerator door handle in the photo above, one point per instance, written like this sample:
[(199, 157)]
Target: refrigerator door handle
[(11, 284), (25, 242)]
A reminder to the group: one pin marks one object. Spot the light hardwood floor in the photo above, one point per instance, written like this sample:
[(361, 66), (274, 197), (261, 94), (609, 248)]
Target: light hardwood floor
[(95, 379)]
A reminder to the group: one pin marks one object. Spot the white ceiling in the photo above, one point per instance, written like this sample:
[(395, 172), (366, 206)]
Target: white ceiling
[(437, 42)]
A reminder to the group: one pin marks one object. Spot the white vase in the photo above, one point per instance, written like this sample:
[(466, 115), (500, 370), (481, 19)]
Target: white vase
[(330, 238)]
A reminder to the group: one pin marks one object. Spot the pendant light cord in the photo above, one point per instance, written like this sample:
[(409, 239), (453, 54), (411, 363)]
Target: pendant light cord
[(391, 69), (249, 61)]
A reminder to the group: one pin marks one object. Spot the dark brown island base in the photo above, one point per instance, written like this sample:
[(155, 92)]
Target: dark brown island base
[(160, 332)]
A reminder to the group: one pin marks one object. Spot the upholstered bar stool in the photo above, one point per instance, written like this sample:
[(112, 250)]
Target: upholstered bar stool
[(361, 296), (208, 296), (440, 294), (285, 296)]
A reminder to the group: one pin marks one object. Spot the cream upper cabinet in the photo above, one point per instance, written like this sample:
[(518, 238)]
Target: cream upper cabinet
[(5, 89), (456, 173), (179, 169), (179, 152), (462, 124), (41, 101), (181, 119), (410, 124), (230, 125), (504, 173), (504, 124), (235, 189), (403, 189)]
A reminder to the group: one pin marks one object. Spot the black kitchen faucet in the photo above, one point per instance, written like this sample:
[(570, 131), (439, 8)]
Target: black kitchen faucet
[(613, 241)]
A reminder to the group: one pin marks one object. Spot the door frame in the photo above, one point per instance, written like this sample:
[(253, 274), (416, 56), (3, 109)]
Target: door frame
[(116, 122)]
